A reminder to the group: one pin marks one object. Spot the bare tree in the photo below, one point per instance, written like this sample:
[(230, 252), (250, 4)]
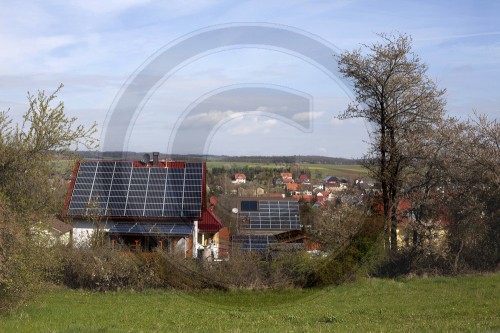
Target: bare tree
[(395, 95), (473, 192)]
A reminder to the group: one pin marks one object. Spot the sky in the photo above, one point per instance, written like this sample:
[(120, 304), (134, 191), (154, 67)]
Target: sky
[(234, 77)]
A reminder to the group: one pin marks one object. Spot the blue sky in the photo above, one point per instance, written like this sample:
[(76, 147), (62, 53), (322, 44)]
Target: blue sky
[(95, 47)]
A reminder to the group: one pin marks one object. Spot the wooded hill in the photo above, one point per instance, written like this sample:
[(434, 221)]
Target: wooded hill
[(223, 158)]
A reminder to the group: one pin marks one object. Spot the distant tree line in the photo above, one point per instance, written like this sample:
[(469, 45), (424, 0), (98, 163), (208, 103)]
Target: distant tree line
[(296, 159)]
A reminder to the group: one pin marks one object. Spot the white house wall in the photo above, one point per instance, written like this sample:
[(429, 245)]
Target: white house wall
[(82, 233)]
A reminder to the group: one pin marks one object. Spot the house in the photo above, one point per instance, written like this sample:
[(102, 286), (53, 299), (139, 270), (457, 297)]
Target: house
[(335, 184), (304, 179), (261, 219), (51, 232), (368, 185), (141, 206), (318, 187), (303, 196), (239, 178), (250, 191), (293, 188), (287, 177), (431, 232)]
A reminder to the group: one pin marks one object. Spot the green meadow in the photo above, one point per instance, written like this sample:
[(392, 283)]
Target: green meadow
[(341, 170), (437, 304)]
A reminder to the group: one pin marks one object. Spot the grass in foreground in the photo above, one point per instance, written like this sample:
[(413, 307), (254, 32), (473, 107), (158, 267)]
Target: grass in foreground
[(461, 304)]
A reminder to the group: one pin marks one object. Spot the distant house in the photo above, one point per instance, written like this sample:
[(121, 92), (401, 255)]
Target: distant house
[(333, 183), (251, 191), (304, 179), (325, 196), (318, 187), (368, 185), (239, 178), (305, 197), (292, 187), (287, 177), (330, 180)]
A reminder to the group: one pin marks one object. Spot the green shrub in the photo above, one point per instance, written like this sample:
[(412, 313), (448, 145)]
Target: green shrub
[(103, 270), (23, 264)]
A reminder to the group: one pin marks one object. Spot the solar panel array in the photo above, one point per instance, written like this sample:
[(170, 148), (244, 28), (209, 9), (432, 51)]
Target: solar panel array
[(118, 189), (270, 214), (151, 228), (255, 243)]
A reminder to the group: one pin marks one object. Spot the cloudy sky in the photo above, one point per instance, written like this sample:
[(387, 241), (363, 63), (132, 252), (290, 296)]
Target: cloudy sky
[(156, 74)]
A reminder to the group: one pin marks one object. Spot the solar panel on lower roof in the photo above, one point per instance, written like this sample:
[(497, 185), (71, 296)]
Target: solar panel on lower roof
[(120, 189), (255, 243), (151, 228)]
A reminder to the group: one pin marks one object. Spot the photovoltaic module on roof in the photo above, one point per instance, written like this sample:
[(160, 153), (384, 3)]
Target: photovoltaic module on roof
[(254, 243), (118, 189), (151, 228), (269, 214)]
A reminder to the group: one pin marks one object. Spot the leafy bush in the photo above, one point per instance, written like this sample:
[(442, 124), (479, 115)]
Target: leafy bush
[(24, 265), (103, 270)]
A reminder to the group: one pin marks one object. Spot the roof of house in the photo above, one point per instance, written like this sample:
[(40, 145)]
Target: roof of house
[(209, 222), (292, 187), (330, 179), (240, 176), (306, 197), (59, 225), (303, 177), (125, 189)]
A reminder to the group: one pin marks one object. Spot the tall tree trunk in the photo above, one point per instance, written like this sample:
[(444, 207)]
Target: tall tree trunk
[(394, 231)]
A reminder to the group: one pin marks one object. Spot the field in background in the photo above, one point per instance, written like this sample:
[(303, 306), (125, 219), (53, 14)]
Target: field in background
[(438, 304), (340, 170)]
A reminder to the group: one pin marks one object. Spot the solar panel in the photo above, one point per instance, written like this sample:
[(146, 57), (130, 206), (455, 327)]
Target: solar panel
[(255, 243), (270, 214), (120, 189), (150, 229)]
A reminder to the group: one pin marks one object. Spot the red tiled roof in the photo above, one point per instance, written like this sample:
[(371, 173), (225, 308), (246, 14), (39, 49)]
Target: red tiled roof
[(306, 197), (209, 222), (303, 177)]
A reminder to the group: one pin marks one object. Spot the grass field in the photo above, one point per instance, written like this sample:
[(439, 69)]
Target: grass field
[(341, 170), (459, 304)]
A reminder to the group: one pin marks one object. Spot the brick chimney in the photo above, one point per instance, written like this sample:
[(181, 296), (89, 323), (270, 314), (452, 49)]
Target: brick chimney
[(155, 158)]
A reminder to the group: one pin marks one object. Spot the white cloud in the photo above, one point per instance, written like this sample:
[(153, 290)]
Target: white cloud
[(251, 125), (210, 118), (305, 116)]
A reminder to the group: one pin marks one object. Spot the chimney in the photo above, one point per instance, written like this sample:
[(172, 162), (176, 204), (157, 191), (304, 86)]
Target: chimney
[(155, 158)]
